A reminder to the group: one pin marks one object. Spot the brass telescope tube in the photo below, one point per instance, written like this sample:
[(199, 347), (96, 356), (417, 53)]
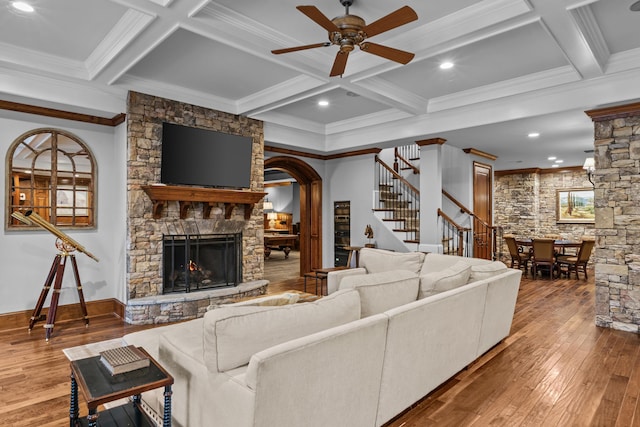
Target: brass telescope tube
[(32, 217)]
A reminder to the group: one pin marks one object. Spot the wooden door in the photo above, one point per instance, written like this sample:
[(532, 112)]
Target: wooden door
[(482, 205)]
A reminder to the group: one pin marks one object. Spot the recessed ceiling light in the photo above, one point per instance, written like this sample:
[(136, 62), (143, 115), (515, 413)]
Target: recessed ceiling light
[(555, 166), (559, 161), (323, 103), (551, 158), (533, 135), (22, 6), (446, 65)]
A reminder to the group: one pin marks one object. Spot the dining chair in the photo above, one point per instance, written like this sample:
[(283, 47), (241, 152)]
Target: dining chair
[(574, 262), (519, 258), (543, 256)]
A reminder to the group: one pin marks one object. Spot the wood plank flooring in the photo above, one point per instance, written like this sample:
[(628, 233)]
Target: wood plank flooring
[(555, 369)]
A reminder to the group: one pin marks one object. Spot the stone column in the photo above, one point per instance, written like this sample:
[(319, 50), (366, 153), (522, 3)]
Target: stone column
[(617, 203)]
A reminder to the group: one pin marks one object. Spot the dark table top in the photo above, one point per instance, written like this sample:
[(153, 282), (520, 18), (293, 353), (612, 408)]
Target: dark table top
[(99, 386)]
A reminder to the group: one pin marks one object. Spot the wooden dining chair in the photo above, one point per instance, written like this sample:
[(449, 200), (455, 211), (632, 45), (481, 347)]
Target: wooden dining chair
[(543, 256), (518, 258), (575, 262)]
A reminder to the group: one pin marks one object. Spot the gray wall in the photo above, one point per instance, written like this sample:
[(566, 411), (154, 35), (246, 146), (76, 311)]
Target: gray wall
[(27, 255)]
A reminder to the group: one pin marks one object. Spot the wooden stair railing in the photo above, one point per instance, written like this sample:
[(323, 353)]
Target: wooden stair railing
[(398, 196), (455, 238), (485, 236), (406, 154)]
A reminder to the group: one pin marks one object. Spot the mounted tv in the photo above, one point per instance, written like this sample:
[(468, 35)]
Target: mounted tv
[(201, 157)]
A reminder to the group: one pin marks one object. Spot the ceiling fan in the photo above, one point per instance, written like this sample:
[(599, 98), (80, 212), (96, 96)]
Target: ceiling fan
[(349, 31)]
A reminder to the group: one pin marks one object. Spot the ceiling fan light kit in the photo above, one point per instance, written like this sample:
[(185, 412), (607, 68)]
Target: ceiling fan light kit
[(348, 31)]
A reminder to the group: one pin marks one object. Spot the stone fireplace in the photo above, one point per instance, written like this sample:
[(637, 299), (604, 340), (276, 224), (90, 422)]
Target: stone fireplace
[(150, 226)]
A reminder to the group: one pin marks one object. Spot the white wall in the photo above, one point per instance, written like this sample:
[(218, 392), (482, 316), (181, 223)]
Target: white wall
[(27, 255)]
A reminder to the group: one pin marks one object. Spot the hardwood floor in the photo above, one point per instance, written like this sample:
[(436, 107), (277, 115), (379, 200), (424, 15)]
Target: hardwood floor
[(555, 369)]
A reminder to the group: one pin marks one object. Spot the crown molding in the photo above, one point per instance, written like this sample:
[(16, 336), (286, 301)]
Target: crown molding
[(590, 30), (536, 81), (35, 60), (128, 27), (61, 114), (177, 93), (537, 171), (480, 153), (281, 94), (379, 117), (616, 112)]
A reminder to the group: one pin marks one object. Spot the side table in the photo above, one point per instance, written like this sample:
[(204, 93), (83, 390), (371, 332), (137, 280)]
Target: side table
[(98, 387), (320, 276)]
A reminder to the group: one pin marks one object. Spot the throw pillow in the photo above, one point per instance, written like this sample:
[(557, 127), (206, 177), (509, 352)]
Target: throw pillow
[(379, 260), (380, 292), (444, 280)]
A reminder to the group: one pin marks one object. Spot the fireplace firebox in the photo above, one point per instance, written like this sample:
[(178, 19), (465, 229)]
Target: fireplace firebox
[(202, 261)]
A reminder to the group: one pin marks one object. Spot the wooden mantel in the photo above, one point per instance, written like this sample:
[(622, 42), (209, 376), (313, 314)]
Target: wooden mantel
[(186, 196)]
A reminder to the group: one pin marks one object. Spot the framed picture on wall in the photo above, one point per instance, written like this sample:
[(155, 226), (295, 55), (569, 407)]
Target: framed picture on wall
[(575, 205)]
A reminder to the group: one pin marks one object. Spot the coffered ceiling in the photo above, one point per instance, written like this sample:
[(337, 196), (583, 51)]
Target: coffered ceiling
[(521, 66)]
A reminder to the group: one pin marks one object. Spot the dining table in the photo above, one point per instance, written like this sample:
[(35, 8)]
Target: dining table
[(562, 244)]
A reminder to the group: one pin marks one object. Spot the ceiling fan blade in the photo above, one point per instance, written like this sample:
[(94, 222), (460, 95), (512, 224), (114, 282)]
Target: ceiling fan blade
[(318, 17), (339, 64), (294, 49), (396, 55), (402, 16)]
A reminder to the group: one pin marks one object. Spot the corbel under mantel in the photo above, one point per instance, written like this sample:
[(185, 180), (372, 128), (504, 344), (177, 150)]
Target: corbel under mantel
[(186, 196)]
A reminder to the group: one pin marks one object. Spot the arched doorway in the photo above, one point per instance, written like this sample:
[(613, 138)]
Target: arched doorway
[(310, 184)]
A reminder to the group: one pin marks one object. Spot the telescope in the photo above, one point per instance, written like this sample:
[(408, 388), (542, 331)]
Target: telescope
[(68, 244)]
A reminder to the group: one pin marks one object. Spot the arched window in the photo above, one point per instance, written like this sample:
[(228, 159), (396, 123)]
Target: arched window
[(51, 172)]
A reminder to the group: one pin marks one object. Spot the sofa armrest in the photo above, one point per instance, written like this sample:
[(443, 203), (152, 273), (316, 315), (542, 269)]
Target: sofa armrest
[(334, 277)]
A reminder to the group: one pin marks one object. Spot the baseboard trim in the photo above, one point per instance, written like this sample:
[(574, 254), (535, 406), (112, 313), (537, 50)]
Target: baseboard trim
[(20, 319)]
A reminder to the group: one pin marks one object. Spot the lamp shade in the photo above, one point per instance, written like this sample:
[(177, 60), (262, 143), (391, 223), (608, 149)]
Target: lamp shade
[(589, 164), (272, 215), (267, 206)]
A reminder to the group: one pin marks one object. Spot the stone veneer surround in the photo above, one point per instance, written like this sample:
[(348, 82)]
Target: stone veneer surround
[(617, 200), (145, 115)]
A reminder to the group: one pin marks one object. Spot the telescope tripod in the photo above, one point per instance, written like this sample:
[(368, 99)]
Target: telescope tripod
[(56, 273)]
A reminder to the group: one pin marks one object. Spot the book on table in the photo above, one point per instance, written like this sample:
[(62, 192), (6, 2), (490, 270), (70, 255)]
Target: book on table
[(123, 359)]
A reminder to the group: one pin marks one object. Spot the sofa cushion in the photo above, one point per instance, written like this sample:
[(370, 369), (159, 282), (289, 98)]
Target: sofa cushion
[(379, 260), (380, 292), (233, 334), (444, 280), (269, 300), (485, 271)]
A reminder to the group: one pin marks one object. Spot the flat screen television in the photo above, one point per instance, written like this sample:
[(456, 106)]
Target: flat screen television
[(201, 157)]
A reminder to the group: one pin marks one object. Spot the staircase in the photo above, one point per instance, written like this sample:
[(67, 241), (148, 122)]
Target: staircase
[(397, 206)]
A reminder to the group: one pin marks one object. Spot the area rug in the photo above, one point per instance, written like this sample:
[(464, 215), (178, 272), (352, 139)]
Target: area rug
[(93, 349)]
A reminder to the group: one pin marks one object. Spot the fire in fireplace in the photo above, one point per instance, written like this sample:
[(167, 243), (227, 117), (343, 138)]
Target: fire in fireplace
[(202, 261)]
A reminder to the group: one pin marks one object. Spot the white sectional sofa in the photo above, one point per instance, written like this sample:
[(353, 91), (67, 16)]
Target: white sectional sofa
[(388, 334)]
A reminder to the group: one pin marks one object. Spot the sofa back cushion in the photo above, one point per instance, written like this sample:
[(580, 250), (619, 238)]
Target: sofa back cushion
[(380, 292), (233, 334), (379, 260), (487, 270), (439, 281)]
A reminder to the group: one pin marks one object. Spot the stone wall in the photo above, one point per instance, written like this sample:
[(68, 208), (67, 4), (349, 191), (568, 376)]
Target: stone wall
[(617, 198), (525, 203), (145, 115)]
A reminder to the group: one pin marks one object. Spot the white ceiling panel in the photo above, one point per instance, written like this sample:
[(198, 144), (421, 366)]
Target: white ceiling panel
[(200, 64), (522, 51), (343, 105), (620, 26), (66, 28)]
